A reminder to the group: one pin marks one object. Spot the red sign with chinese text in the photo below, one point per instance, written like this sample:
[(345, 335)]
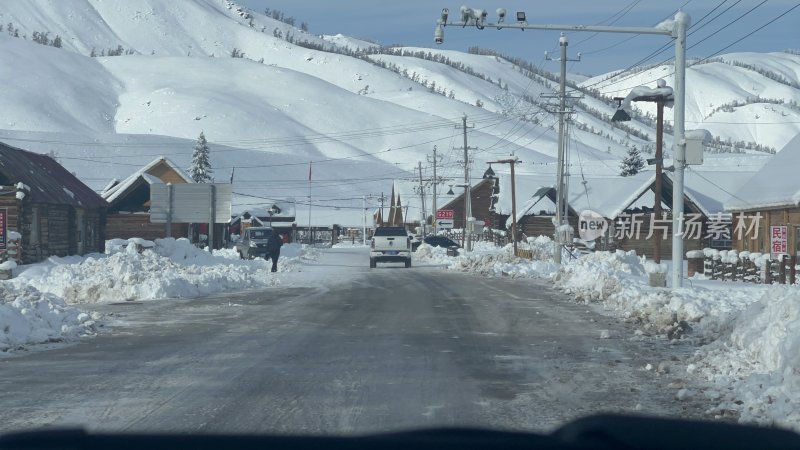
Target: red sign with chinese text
[(445, 214), (779, 240)]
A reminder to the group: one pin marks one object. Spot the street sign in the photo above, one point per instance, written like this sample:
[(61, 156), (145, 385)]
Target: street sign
[(445, 214), (779, 238), (444, 223)]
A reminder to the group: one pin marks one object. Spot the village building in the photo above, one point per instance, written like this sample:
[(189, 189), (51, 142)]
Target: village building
[(765, 209), (627, 204), (484, 194), (129, 202), (54, 213)]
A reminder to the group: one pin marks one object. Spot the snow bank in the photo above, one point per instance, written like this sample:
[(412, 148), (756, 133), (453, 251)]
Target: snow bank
[(487, 259), (28, 316), (757, 366), (597, 276), (752, 356), (144, 270), (620, 282)]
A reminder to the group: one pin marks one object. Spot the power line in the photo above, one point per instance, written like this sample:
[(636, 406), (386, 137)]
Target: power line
[(666, 46), (701, 41)]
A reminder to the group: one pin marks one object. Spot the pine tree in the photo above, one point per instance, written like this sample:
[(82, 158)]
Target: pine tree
[(632, 163), (200, 170)]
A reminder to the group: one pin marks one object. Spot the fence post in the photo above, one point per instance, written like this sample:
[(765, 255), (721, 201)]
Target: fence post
[(767, 272), (782, 269)]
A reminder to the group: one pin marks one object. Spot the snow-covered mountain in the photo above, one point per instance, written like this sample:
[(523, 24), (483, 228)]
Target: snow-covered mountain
[(364, 115)]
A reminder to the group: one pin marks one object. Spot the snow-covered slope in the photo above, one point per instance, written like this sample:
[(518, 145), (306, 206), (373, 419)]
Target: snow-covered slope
[(750, 97), (363, 118)]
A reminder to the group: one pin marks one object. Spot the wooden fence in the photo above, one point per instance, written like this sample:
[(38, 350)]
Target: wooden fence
[(752, 269)]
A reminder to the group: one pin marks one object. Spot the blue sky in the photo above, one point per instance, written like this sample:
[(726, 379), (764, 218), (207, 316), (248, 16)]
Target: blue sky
[(411, 22)]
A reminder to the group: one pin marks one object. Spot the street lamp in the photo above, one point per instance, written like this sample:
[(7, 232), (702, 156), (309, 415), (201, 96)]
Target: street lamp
[(674, 28), (271, 212), (661, 95)]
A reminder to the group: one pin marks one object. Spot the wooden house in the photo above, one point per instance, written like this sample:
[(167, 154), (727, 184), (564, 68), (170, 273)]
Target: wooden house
[(53, 211), (627, 205), (129, 202), (769, 200), (482, 195)]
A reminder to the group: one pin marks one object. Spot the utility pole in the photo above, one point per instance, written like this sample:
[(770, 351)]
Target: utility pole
[(310, 229), (561, 183), (466, 238), (659, 168), (364, 234), (422, 197), (435, 184), (661, 99), (382, 220)]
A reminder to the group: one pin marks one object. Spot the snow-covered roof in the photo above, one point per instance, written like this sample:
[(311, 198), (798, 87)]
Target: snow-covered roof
[(287, 210), (41, 179), (711, 190), (775, 185), (608, 196), (118, 189)]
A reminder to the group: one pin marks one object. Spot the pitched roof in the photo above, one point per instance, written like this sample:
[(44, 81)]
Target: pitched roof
[(118, 190), (775, 185), (608, 196), (611, 196), (712, 190), (48, 180)]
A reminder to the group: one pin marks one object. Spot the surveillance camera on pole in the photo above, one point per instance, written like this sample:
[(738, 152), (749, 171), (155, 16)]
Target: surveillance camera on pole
[(466, 14), (438, 33)]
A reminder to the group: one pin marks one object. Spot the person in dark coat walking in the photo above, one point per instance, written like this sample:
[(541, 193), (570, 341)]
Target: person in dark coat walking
[(274, 244)]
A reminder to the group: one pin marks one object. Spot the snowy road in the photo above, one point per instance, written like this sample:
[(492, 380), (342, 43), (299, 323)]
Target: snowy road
[(382, 349)]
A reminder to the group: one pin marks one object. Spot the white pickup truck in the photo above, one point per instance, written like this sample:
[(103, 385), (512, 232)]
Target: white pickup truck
[(390, 244)]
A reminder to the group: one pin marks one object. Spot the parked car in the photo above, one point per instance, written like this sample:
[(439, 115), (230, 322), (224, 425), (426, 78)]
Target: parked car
[(440, 241), (253, 243)]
